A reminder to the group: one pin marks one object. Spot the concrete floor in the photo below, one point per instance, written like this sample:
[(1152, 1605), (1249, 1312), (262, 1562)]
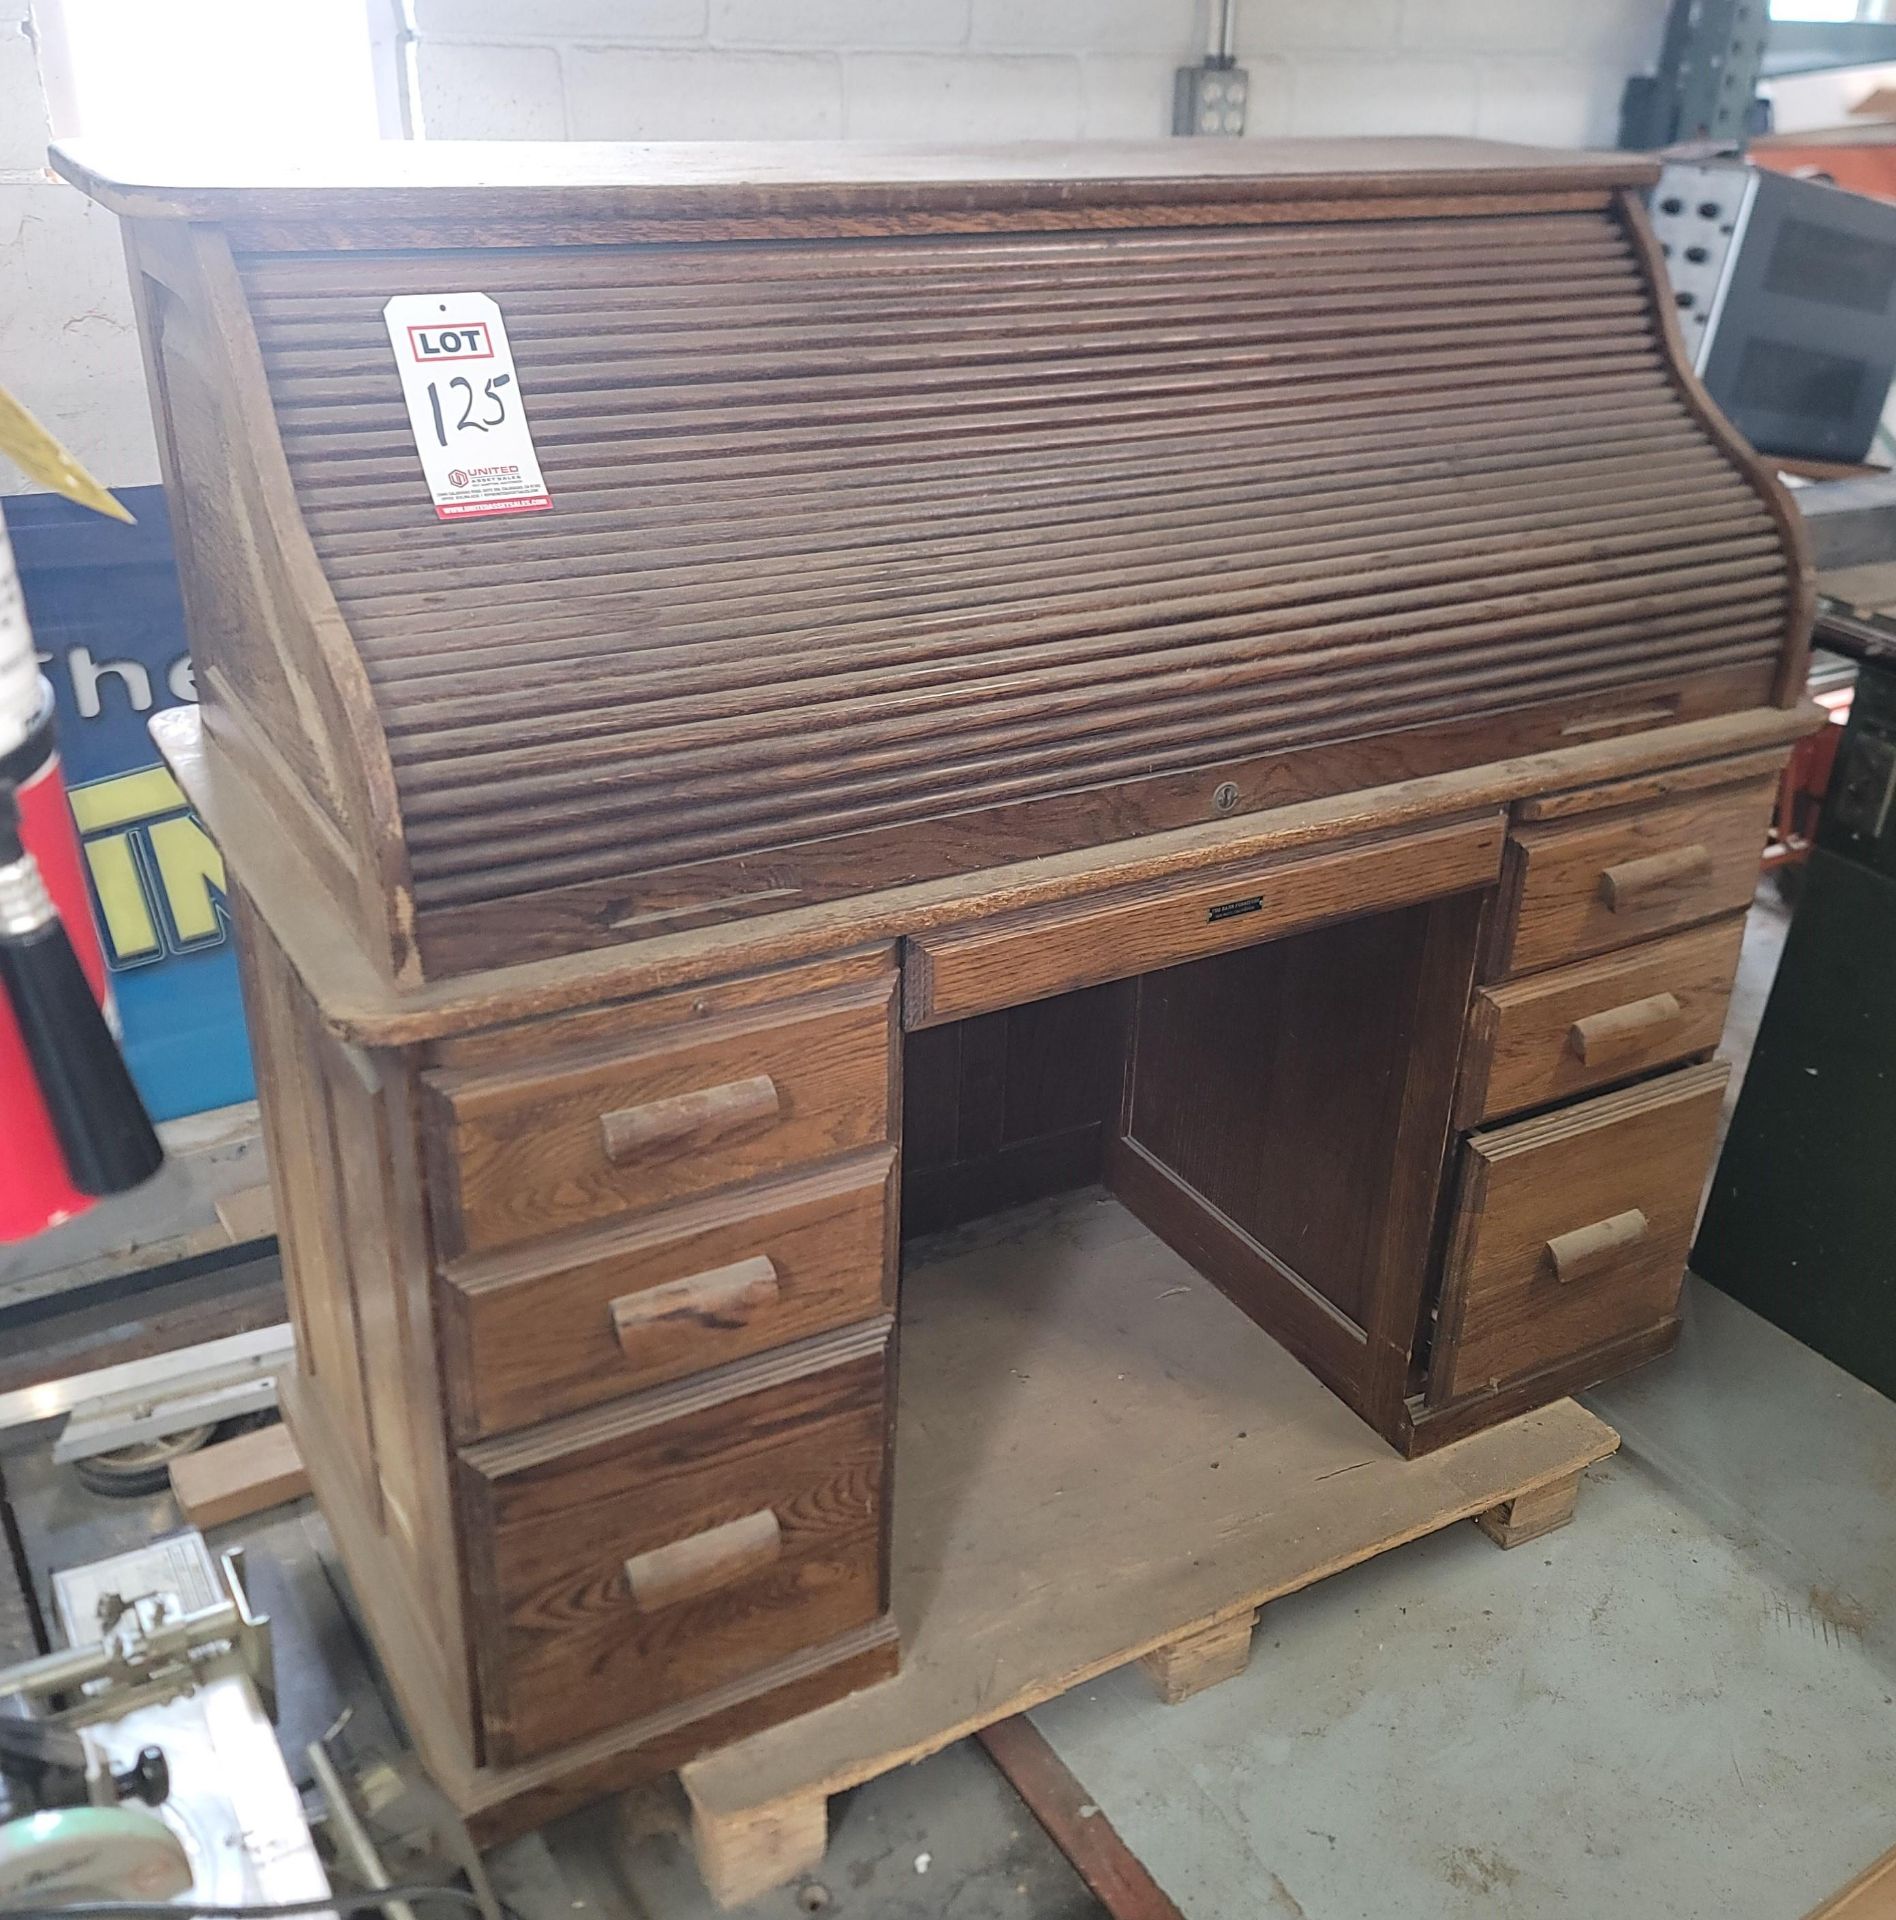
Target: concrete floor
[(1681, 1706)]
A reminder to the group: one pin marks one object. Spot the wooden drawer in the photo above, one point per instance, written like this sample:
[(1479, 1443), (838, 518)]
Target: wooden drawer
[(1554, 1035), (645, 1553), (529, 1334), (518, 1153), (1571, 1230), (1589, 885), (1014, 958)]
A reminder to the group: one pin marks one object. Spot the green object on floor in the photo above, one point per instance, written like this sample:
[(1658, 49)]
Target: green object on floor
[(89, 1853)]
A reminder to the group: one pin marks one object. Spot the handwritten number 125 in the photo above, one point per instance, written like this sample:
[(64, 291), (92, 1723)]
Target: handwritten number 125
[(490, 392)]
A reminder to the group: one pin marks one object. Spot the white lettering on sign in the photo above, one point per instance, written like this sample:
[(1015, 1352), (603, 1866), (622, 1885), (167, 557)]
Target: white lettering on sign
[(464, 405)]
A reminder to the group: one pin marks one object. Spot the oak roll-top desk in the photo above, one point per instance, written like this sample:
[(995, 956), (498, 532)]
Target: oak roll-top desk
[(1247, 673)]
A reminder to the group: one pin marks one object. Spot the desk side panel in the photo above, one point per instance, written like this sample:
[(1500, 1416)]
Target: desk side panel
[(367, 1404)]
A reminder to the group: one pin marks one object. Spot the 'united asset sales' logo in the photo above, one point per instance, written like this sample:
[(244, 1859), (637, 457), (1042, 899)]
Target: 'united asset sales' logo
[(458, 478)]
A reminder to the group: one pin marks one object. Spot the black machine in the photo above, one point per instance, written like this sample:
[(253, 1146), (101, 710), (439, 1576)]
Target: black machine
[(1801, 1221), (1786, 292)]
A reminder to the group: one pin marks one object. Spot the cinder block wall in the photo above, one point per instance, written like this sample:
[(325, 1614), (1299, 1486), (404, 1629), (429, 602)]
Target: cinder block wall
[(1541, 70)]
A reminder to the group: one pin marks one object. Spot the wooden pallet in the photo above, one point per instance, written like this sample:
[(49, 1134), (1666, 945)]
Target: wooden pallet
[(1101, 1460)]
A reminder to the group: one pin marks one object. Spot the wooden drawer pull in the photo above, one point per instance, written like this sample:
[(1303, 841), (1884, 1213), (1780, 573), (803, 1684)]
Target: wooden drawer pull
[(707, 1110), (1632, 880), (1590, 1250), (718, 1298), (703, 1562), (1600, 1035)]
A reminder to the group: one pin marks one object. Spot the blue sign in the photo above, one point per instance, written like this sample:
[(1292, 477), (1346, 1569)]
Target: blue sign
[(109, 626)]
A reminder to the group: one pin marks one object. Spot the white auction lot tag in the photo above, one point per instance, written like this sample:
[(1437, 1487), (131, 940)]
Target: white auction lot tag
[(464, 404)]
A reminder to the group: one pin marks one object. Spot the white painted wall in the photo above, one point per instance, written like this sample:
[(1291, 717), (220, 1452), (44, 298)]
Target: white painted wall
[(1541, 70), (68, 345)]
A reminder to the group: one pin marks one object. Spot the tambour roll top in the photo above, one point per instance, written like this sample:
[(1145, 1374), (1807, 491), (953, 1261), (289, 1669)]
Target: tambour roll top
[(914, 513)]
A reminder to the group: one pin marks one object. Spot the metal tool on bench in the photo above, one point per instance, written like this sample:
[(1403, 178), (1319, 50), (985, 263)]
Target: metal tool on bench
[(169, 1705), (112, 1411)]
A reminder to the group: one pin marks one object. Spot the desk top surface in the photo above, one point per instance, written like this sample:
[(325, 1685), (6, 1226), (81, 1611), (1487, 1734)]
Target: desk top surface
[(213, 179)]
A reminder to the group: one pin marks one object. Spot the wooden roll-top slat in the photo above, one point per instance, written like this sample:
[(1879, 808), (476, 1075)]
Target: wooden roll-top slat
[(901, 529)]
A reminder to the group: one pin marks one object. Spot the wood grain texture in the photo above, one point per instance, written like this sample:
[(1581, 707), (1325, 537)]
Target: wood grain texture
[(568, 1521), (501, 1801), (1010, 1106), (1110, 1869), (1794, 661), (1206, 1658), (1643, 789), (1557, 1034), (1285, 1126), (1423, 1429), (743, 1855), (1038, 571), (973, 497), (345, 1175), (1604, 881), (368, 1011), (1598, 1037), (712, 1297), (617, 1021), (1023, 1468), (1530, 1515), (1870, 1896), (1506, 1312), (701, 1563), (497, 180), (1054, 950), (1601, 1247), (519, 1153), (695, 1119), (278, 676), (236, 1478), (546, 1329)]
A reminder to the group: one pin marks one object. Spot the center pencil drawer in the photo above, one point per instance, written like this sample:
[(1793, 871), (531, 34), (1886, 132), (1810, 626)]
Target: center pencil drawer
[(518, 1153), (534, 1332), (1571, 1230), (627, 1559)]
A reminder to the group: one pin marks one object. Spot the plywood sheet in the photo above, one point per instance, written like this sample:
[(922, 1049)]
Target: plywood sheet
[(1098, 1453)]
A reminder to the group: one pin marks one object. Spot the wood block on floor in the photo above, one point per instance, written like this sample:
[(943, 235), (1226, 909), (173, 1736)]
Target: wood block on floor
[(239, 1477), (744, 1854), (1199, 1660), (1529, 1515)]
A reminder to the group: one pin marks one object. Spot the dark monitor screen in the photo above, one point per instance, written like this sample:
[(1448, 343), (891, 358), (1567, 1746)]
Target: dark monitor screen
[(1810, 261), (1775, 376)]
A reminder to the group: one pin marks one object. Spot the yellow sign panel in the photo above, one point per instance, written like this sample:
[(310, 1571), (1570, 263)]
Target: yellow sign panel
[(157, 873)]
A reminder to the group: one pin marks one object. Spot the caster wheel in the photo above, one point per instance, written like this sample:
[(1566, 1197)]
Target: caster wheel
[(145, 1467)]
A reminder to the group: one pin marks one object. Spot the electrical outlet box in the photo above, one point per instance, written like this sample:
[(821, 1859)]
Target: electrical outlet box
[(1210, 99)]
